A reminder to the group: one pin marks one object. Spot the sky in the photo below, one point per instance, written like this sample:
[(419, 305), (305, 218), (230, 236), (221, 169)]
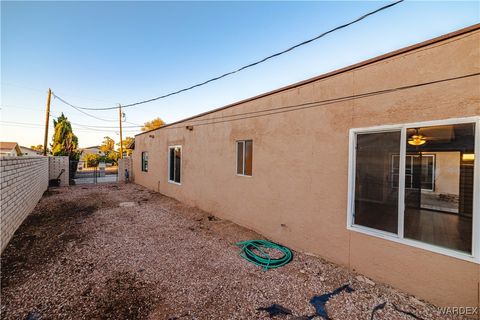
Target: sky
[(99, 54)]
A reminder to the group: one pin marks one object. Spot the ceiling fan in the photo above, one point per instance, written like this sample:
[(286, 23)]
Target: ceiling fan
[(420, 136), (417, 139)]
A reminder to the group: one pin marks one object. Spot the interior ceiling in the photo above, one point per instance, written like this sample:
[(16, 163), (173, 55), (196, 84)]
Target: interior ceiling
[(439, 133)]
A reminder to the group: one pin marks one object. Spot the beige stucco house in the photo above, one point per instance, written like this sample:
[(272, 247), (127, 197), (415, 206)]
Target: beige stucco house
[(30, 152), (9, 149), (374, 166), (82, 163)]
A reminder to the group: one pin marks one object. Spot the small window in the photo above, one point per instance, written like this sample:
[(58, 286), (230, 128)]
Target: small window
[(145, 161), (174, 164), (244, 157)]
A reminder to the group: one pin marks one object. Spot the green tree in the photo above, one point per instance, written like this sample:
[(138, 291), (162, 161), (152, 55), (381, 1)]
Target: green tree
[(108, 145), (92, 159), (125, 144), (39, 148), (154, 124), (112, 157), (65, 142)]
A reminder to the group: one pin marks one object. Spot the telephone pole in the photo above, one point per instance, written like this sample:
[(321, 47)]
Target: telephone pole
[(120, 120), (47, 121)]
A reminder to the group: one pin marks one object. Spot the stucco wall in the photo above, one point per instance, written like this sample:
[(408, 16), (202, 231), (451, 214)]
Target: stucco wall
[(298, 192), (23, 181)]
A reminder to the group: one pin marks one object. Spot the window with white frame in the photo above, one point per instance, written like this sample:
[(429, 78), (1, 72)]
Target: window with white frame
[(174, 164), (427, 170), (244, 157), (415, 184), (145, 161)]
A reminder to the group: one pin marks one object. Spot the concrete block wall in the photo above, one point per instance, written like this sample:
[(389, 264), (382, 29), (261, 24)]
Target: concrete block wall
[(125, 163), (55, 166), (23, 180)]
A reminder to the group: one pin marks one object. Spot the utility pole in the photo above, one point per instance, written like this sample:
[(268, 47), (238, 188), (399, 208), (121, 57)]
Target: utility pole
[(120, 120), (47, 121)]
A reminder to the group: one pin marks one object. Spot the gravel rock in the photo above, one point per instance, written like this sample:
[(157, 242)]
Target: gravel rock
[(80, 255), (365, 280)]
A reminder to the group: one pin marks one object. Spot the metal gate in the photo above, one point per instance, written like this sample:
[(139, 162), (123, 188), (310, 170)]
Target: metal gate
[(81, 173)]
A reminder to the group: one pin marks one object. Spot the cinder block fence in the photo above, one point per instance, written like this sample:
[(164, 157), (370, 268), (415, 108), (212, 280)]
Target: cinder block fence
[(23, 182), (55, 167), (125, 163)]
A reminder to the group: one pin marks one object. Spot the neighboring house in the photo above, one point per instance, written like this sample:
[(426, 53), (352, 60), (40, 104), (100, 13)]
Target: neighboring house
[(90, 150), (374, 166), (29, 152), (9, 149)]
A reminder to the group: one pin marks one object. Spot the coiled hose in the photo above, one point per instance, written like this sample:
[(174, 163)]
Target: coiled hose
[(254, 251)]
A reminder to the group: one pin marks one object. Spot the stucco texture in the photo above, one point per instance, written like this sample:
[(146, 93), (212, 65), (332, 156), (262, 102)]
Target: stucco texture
[(298, 192)]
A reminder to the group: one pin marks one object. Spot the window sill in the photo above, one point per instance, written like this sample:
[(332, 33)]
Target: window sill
[(414, 243), (243, 175), (173, 182)]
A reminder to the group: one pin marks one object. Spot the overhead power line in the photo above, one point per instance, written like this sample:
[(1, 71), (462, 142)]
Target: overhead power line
[(107, 127), (307, 105), (79, 109), (82, 127), (248, 65), (44, 91), (24, 108), (133, 125), (22, 87)]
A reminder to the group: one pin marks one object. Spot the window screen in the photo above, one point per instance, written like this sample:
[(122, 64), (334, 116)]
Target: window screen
[(376, 180)]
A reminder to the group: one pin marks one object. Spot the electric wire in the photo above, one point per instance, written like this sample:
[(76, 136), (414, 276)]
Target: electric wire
[(248, 65), (82, 127), (79, 124), (23, 108), (312, 104), (265, 112), (79, 109), (135, 124), (107, 127)]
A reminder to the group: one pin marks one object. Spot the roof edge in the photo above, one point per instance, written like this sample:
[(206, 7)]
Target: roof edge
[(332, 73)]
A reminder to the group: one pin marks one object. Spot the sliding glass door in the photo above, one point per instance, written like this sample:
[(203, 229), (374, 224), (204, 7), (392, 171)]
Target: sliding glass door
[(416, 183), (441, 215), (376, 192)]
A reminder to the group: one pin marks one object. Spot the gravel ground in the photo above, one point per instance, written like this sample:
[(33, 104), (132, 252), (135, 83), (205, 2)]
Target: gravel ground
[(124, 252)]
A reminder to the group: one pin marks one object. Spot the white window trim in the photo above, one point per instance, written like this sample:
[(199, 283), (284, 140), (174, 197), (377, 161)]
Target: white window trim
[(475, 256), (411, 168), (181, 165), (434, 168), (244, 161)]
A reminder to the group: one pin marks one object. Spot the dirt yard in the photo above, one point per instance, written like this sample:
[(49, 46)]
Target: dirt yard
[(124, 252)]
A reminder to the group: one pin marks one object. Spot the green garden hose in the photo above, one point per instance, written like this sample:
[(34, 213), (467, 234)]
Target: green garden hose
[(254, 251)]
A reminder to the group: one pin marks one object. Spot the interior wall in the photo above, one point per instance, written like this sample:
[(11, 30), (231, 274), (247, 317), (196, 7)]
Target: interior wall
[(447, 172)]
